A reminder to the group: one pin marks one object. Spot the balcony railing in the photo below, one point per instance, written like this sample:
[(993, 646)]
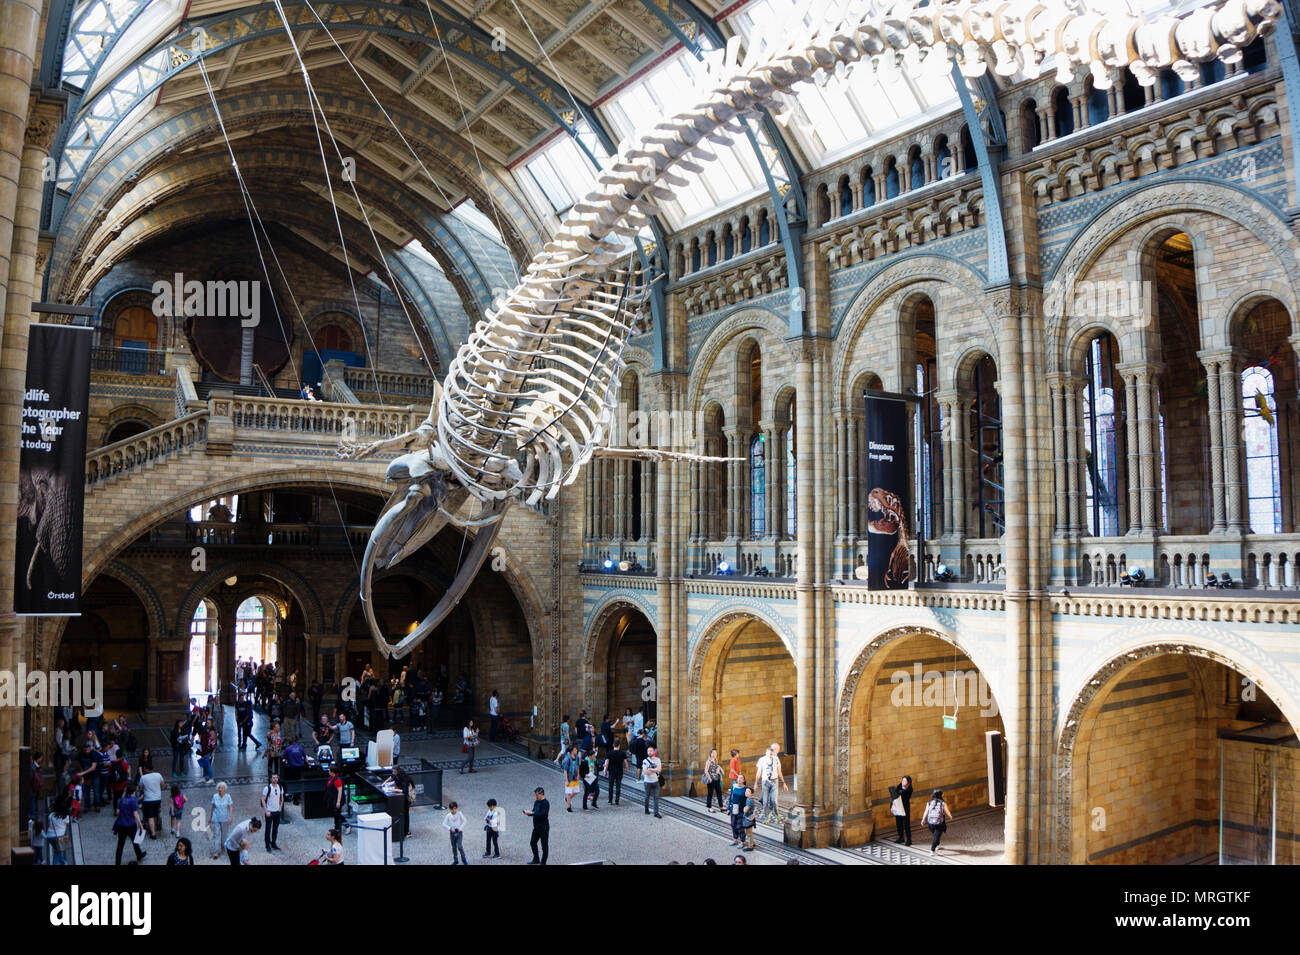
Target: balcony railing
[(278, 534), (128, 361), (1257, 562)]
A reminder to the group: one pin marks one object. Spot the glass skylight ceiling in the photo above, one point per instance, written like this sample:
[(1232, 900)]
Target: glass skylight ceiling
[(836, 119), (665, 91)]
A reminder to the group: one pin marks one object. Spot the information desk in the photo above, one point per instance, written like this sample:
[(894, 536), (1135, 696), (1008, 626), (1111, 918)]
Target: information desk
[(311, 788)]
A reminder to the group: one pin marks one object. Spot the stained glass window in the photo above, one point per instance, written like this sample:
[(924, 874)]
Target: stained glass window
[(1263, 477), (757, 488)]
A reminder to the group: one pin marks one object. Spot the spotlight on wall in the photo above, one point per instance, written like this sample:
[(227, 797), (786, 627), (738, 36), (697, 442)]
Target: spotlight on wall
[(231, 581), (609, 563), (624, 566), (1132, 577), (724, 567), (943, 572)]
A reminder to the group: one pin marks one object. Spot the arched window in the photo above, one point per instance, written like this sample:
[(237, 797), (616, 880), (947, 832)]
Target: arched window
[(251, 637), (764, 229), (892, 187), (333, 338), (1030, 129), (868, 188), (1064, 110), (846, 196), (1101, 454), (713, 249), (695, 255), (746, 241), (1212, 72), (943, 167), (757, 487), (1263, 472), (916, 171), (1098, 105), (1134, 93), (1171, 84), (968, 154), (728, 242), (197, 681)]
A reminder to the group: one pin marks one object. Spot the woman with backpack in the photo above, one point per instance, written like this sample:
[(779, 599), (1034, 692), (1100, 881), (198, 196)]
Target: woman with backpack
[(713, 779), (937, 817)]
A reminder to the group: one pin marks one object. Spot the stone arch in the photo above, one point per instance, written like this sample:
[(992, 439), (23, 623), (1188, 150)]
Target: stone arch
[(125, 297), (594, 636), (1237, 311), (729, 329), (952, 275), (100, 551), (849, 686), (1081, 338), (126, 574), (124, 414), (1099, 675), (719, 621), (520, 586), (1166, 201), (297, 585), (337, 313)]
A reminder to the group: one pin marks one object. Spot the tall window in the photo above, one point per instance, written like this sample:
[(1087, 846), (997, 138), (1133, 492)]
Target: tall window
[(927, 437), (791, 487), (197, 682), (1100, 451), (986, 443), (757, 487), (250, 632), (1263, 472)]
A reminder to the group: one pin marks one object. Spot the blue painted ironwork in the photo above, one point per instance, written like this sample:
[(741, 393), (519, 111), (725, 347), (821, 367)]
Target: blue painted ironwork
[(989, 145)]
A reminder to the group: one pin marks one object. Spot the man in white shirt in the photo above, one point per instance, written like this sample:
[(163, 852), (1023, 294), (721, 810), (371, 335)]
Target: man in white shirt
[(272, 807), (648, 772), (454, 823), (238, 835), (494, 711), (770, 775), (151, 785)]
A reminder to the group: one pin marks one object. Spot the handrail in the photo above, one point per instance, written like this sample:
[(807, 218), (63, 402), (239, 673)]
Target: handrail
[(152, 445)]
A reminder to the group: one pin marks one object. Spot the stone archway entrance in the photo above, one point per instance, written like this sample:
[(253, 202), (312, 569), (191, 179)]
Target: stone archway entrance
[(1172, 756)]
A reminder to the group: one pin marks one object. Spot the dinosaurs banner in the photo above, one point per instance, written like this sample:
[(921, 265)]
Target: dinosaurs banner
[(889, 500), (51, 482)]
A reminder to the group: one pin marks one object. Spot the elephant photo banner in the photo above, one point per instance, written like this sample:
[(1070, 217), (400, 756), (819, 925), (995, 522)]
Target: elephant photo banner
[(888, 494), (52, 473)]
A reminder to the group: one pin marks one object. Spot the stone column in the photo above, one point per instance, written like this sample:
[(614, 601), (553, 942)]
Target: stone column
[(735, 485), (960, 458), (1149, 447), (1074, 456), (949, 411), (1059, 385), (771, 473), (23, 119), (1218, 499), (1130, 373), (1234, 451), (854, 440), (622, 517)]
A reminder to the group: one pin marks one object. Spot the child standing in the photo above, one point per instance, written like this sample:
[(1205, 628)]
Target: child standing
[(177, 809), (493, 824)]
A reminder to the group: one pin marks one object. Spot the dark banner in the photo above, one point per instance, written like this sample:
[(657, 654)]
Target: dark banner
[(889, 493), (52, 478)]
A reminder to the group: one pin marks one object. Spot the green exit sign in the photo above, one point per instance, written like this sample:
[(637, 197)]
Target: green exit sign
[(950, 722)]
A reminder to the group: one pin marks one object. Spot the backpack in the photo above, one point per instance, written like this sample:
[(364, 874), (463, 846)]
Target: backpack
[(934, 813), (116, 773)]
